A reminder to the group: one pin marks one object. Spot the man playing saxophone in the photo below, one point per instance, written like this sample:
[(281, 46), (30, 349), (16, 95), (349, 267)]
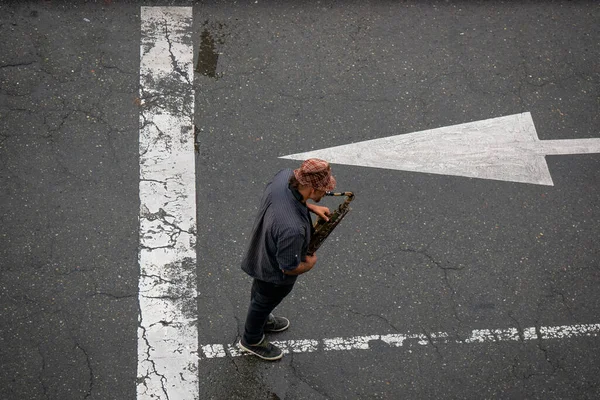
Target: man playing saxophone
[(277, 251)]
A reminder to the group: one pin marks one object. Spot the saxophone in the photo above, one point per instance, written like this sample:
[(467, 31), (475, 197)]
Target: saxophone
[(323, 228)]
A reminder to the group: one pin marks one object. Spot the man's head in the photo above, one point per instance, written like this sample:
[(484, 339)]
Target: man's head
[(316, 175)]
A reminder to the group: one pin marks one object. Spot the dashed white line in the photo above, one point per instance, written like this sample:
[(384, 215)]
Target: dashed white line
[(400, 340), (167, 332)]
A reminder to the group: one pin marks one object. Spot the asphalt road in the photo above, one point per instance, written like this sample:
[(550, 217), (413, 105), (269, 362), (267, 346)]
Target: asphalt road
[(419, 253)]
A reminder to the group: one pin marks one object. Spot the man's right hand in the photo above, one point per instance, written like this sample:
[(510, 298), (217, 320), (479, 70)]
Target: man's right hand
[(304, 266), (311, 260)]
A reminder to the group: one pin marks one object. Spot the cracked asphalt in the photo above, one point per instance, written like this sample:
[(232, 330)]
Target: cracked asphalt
[(418, 253)]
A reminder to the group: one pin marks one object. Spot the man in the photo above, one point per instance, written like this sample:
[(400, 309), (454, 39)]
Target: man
[(277, 251)]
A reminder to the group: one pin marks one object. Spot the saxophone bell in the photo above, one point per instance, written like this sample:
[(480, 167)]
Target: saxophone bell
[(323, 228)]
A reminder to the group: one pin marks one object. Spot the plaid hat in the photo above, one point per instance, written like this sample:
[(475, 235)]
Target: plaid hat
[(315, 173)]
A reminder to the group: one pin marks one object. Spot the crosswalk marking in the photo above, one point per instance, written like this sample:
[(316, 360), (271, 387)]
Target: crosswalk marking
[(167, 332)]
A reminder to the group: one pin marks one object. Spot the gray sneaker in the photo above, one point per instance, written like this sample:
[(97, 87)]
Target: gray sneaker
[(264, 349), (276, 324)]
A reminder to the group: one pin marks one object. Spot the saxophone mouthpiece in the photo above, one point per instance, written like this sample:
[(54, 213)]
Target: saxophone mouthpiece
[(349, 194)]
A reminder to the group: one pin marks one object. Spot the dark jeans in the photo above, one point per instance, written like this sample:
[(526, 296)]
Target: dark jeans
[(264, 297)]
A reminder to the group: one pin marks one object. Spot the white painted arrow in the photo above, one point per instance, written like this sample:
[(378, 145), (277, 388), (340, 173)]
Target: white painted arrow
[(504, 148)]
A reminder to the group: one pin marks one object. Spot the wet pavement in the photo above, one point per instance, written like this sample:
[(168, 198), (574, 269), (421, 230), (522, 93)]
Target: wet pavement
[(419, 254)]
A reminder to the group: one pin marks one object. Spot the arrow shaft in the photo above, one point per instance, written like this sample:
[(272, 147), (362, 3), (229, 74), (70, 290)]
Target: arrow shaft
[(568, 146)]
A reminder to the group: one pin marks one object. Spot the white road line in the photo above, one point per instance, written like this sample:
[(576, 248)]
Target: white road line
[(167, 332), (399, 340)]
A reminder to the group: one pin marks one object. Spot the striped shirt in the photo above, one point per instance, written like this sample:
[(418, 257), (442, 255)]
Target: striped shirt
[(281, 233)]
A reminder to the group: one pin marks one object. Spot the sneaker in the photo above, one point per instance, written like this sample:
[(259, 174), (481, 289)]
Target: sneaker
[(264, 349), (276, 324)]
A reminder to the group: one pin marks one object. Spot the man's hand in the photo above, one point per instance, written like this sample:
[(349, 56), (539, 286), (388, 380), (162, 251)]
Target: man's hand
[(304, 266), (321, 211), (311, 260)]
